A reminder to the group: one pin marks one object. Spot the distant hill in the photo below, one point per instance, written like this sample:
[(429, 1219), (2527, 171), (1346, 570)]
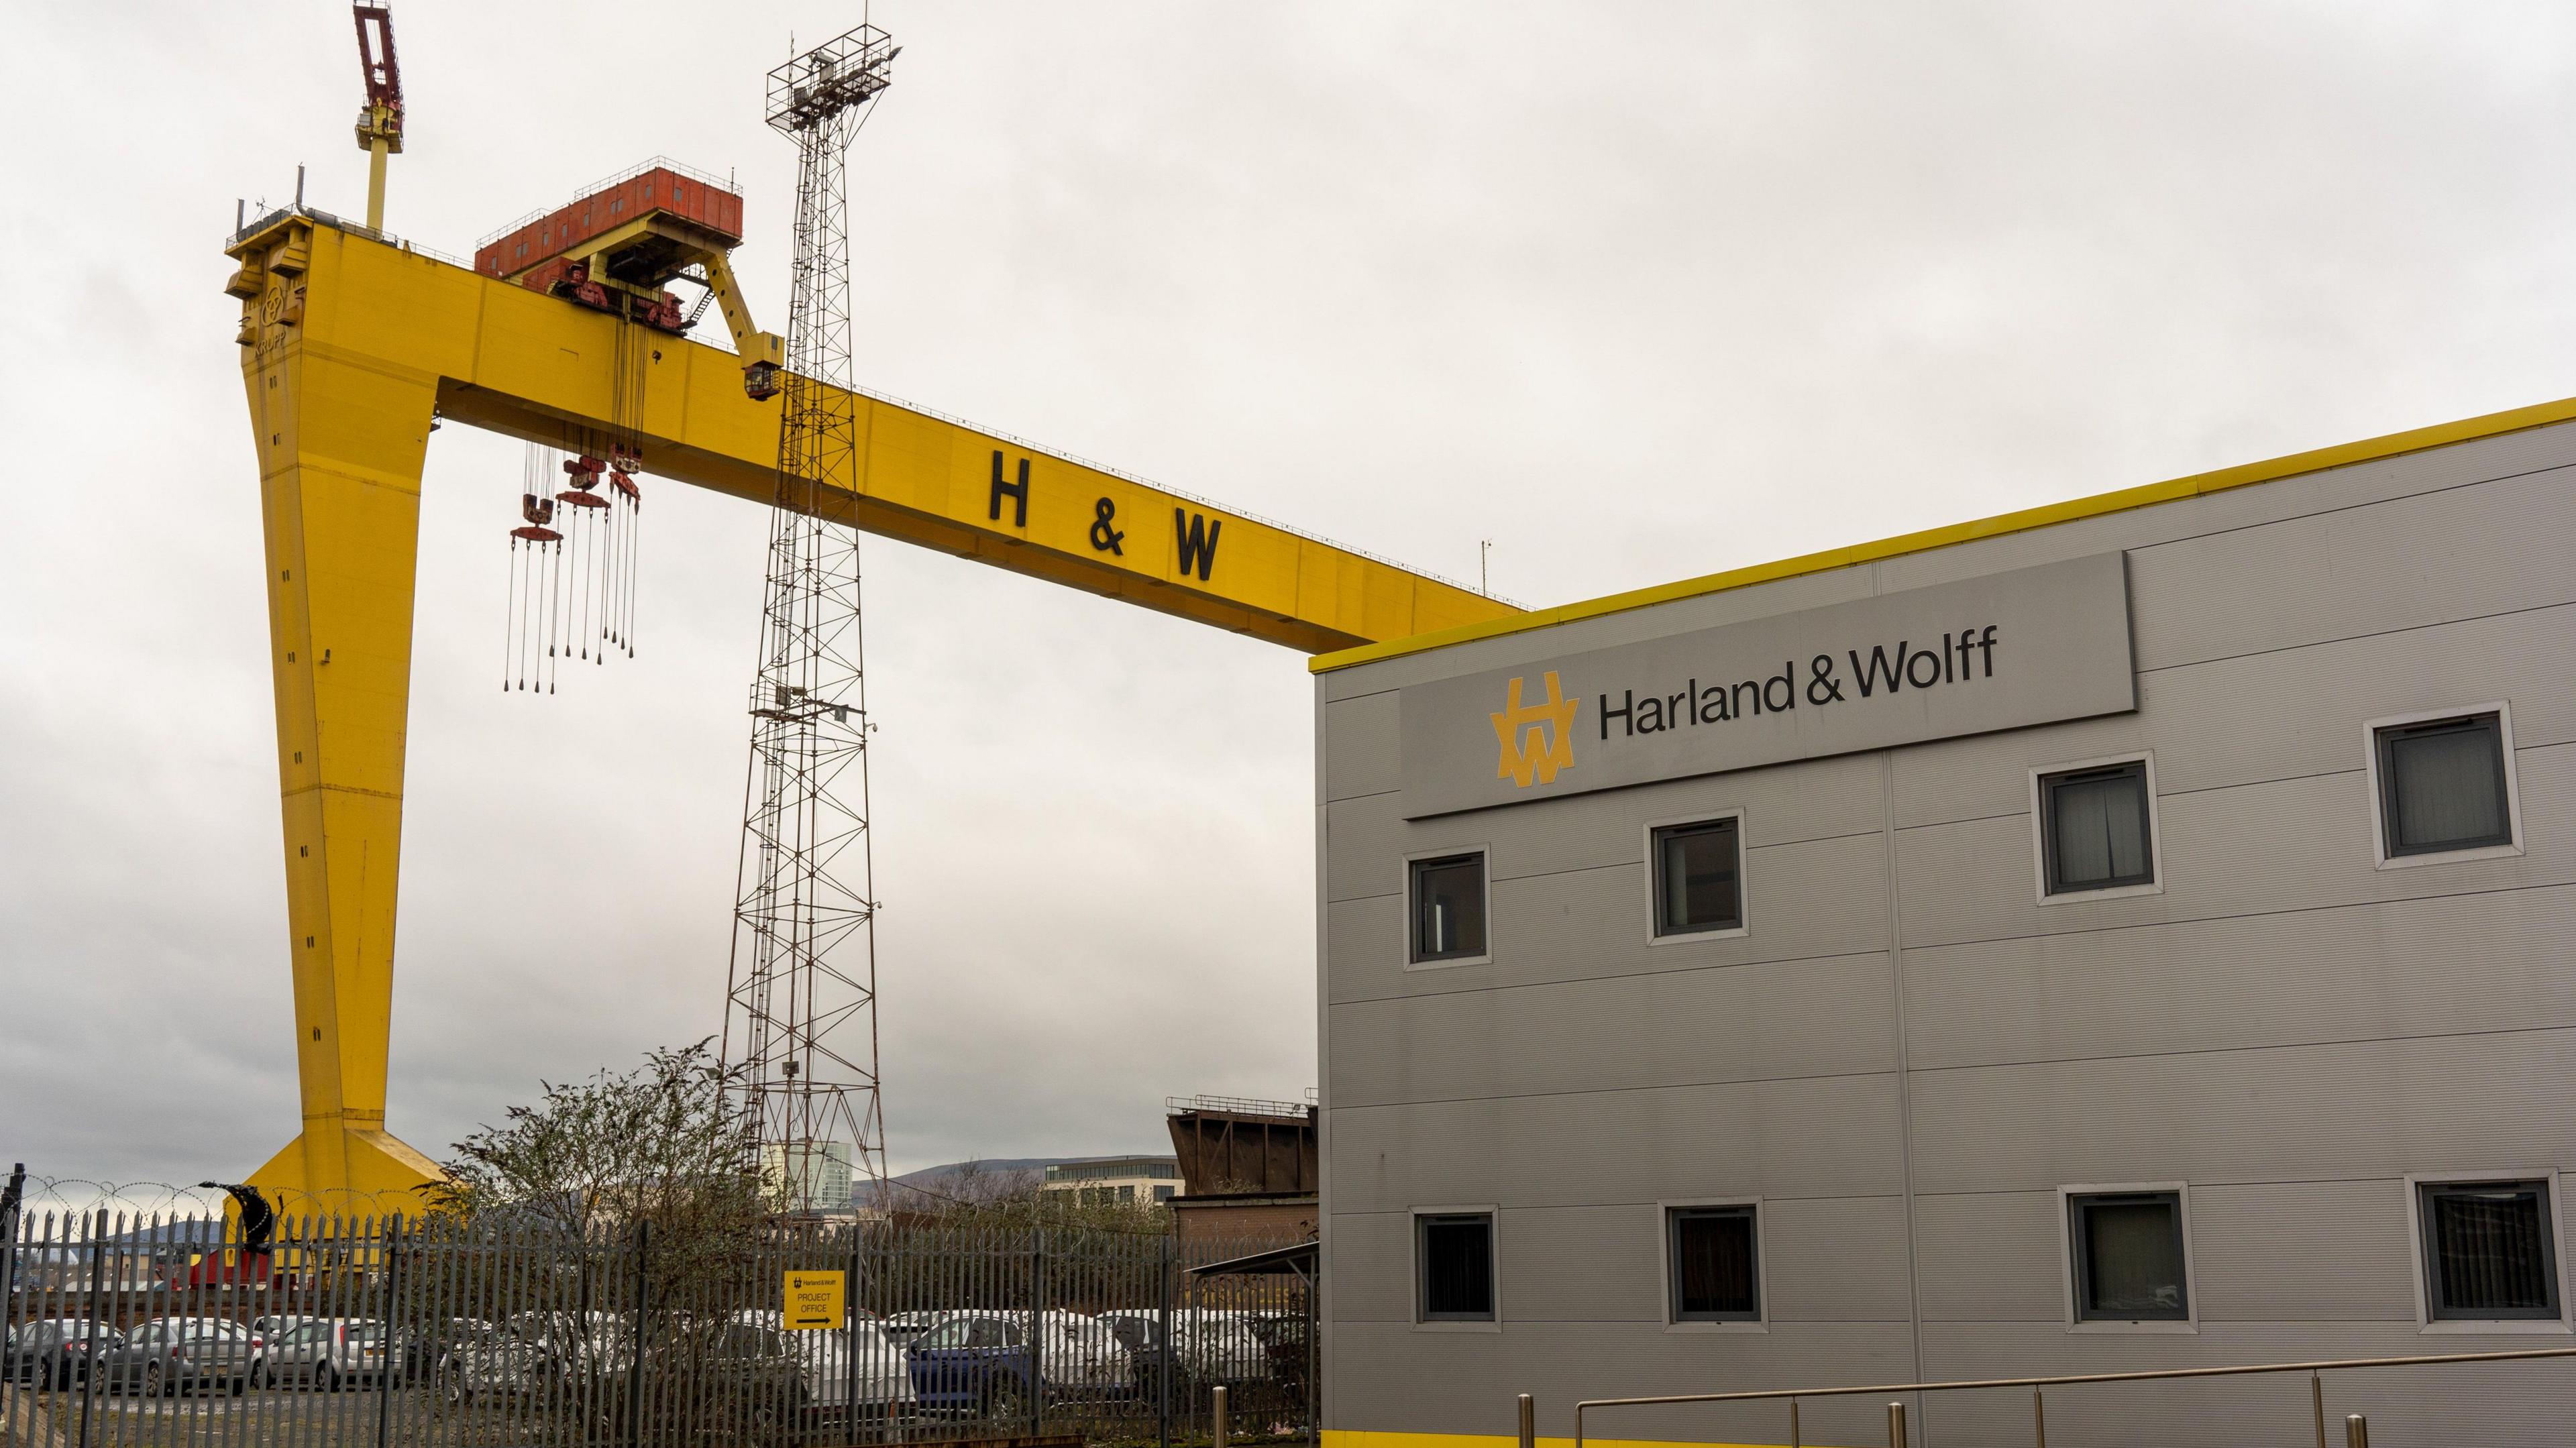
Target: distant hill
[(935, 1185), (991, 1166)]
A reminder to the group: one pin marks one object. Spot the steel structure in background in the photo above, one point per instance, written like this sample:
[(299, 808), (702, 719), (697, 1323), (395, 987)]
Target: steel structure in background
[(1232, 1144), (800, 1009)]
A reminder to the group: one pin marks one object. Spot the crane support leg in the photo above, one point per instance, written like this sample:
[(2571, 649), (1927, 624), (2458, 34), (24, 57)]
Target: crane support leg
[(340, 447)]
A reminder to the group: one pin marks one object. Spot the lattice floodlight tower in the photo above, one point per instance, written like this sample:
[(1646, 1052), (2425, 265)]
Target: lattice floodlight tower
[(800, 1008)]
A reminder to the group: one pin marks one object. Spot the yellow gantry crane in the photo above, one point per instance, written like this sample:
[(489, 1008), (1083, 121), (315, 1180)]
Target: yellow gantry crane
[(354, 347)]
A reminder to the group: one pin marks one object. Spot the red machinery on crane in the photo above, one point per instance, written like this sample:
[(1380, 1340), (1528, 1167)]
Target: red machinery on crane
[(613, 249), (380, 120), (615, 246)]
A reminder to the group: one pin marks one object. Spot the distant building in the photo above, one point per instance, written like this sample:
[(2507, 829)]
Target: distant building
[(1103, 1180), (808, 1176)]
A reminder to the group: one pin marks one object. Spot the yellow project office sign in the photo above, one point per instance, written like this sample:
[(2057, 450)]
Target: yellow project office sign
[(813, 1300)]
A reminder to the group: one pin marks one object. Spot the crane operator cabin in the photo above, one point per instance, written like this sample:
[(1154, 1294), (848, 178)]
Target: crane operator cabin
[(2132, 934)]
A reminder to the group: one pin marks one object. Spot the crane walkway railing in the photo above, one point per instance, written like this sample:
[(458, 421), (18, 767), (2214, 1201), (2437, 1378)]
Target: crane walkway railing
[(2356, 1427)]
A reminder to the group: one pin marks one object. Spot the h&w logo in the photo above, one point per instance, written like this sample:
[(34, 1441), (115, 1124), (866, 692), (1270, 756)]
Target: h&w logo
[(1537, 739)]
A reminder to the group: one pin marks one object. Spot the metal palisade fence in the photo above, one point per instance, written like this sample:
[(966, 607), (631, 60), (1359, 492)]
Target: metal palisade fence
[(123, 1332)]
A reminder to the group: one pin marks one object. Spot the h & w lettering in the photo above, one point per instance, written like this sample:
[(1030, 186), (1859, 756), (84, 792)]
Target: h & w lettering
[(1017, 492), (1195, 536)]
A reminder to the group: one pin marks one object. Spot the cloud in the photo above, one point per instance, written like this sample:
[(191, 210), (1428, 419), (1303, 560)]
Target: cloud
[(1638, 293)]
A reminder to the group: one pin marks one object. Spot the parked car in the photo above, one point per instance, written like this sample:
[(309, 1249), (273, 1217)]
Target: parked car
[(476, 1361), (1140, 1335), (1208, 1346), (1218, 1345), (265, 1330), (55, 1352), (1287, 1339), (593, 1342), (744, 1383), (902, 1327), (979, 1363), (169, 1354), (823, 1358), (326, 1353), (973, 1363)]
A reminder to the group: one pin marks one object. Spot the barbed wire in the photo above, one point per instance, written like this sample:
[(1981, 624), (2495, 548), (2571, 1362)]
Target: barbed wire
[(72, 1202), (72, 1198)]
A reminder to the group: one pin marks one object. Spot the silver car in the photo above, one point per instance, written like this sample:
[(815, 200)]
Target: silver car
[(481, 1362), (326, 1353), (168, 1354), (54, 1353)]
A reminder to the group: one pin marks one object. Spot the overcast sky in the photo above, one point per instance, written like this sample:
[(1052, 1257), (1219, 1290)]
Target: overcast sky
[(1638, 291)]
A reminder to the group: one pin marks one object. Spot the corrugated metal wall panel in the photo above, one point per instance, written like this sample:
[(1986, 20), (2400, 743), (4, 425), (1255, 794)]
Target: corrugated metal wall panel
[(1360, 750), (2302, 1113), (1371, 1265), (1811, 901), (2269, 716), (2512, 1406), (1580, 1264), (1823, 799), (1833, 1259), (1812, 1017), (2382, 480), (2357, 571), (2352, 972), (2299, 844), (1786, 804), (1825, 1136), (1399, 1378), (2303, 1251), (1366, 938), (1989, 1257)]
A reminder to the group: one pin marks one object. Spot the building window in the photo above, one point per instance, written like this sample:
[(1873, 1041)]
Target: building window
[(2442, 786), (2128, 1256), (1449, 908), (2489, 1255), (1698, 877), (1454, 1253), (2094, 828), (1163, 1194), (1714, 1264)]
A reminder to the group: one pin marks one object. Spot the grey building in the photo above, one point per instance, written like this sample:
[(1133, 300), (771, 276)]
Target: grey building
[(2137, 933)]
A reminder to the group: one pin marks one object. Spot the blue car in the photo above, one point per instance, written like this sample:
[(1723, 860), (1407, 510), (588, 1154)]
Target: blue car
[(979, 1363), (974, 1364)]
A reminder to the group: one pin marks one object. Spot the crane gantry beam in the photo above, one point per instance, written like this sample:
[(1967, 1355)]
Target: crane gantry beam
[(353, 348)]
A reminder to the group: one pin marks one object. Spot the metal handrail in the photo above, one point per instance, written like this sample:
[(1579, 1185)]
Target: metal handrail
[(270, 216), (703, 178), (2038, 1414), (1240, 1105)]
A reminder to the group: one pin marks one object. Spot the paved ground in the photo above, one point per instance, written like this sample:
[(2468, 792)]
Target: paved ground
[(415, 1418)]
